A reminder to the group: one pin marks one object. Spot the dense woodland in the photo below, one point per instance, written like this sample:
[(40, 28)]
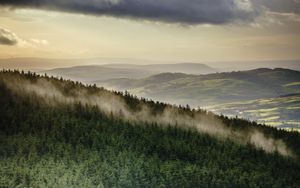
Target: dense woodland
[(77, 145)]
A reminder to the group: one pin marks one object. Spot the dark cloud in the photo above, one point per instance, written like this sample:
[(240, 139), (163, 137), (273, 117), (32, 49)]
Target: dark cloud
[(7, 37), (279, 6), (170, 11)]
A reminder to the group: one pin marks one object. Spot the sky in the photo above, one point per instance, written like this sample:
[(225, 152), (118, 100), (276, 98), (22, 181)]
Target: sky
[(165, 30)]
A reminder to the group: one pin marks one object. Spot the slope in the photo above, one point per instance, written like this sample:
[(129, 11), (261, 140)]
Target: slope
[(57, 133)]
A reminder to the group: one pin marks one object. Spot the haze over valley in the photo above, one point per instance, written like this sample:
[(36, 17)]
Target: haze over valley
[(145, 93), (266, 95), (201, 86)]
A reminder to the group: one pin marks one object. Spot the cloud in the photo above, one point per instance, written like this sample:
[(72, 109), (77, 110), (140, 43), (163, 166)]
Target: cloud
[(170, 11), (189, 12), (7, 37), (39, 41), (279, 6), (277, 12)]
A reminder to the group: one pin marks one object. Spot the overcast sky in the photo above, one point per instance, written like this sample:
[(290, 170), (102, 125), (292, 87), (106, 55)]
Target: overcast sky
[(175, 30)]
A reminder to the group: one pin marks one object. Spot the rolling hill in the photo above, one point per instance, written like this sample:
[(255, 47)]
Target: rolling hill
[(66, 66), (58, 133), (187, 68), (90, 73), (203, 90), (247, 65), (38, 64), (258, 94), (95, 73)]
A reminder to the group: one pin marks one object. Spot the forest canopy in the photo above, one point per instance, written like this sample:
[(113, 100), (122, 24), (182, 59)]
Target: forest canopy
[(60, 133)]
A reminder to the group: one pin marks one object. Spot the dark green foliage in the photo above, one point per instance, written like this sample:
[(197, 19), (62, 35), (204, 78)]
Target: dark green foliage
[(75, 145)]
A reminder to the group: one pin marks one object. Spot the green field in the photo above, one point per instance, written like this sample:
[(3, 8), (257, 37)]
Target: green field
[(280, 112)]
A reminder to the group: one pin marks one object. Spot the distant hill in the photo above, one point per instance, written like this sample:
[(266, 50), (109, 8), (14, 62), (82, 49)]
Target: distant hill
[(59, 133), (31, 63), (38, 64), (95, 73), (247, 65), (187, 68), (212, 88)]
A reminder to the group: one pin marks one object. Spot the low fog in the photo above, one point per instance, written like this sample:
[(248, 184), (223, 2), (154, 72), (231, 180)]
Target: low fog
[(111, 103)]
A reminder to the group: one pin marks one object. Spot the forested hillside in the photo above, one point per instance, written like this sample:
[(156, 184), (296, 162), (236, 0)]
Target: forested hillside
[(60, 133)]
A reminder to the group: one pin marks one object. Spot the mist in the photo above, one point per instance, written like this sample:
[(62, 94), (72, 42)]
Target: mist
[(110, 103)]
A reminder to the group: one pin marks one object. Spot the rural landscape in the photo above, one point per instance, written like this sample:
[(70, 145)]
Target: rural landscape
[(269, 96), (129, 93)]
